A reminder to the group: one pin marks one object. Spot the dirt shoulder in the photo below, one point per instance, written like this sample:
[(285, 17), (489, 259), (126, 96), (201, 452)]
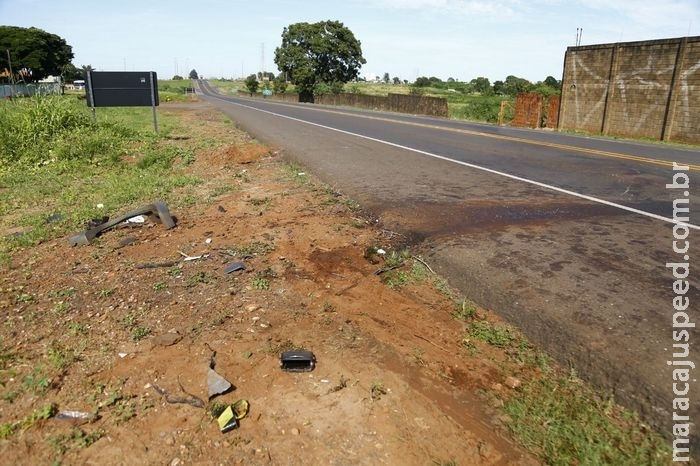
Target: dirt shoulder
[(101, 328)]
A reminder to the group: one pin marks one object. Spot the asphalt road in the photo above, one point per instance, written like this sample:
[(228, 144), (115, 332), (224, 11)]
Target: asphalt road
[(565, 236)]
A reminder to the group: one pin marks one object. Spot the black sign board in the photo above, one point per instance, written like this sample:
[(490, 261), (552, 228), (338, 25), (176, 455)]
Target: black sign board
[(122, 89)]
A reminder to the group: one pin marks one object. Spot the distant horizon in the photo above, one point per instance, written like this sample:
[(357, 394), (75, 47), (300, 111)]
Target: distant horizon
[(459, 39)]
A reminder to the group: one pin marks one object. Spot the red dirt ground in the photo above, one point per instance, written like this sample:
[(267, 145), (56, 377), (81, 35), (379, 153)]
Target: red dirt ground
[(89, 329)]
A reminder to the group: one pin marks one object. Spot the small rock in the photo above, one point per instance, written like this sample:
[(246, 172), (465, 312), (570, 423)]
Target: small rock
[(295, 431), (252, 307), (175, 462), (512, 382)]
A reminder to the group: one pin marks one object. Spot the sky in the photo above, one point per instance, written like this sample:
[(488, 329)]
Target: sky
[(459, 39)]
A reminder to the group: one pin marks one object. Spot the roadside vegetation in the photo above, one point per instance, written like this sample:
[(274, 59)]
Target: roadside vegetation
[(477, 100), (58, 168)]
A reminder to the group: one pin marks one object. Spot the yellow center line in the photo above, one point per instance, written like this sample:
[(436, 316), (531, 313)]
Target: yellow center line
[(603, 153)]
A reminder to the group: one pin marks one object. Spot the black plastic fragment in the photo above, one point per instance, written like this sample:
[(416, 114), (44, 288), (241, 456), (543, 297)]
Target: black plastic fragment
[(297, 361), (158, 210), (234, 267)]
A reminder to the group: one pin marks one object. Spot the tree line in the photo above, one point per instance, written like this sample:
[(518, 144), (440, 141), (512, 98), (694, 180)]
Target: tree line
[(318, 58)]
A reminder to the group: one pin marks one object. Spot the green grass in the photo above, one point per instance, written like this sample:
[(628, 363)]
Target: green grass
[(564, 422), (55, 160)]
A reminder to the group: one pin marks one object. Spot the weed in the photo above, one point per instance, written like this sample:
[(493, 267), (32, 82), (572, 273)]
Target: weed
[(395, 280), (261, 283), (106, 292), (255, 248), (24, 298), (376, 390), (265, 201), (77, 437), (7, 429), (129, 321), (64, 292), (471, 347), (159, 286), (59, 357), (442, 286), (139, 333), (495, 335), (465, 311), (76, 328), (38, 382), (61, 308), (45, 412), (197, 278)]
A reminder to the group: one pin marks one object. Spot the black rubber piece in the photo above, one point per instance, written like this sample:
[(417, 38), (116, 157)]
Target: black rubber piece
[(157, 208)]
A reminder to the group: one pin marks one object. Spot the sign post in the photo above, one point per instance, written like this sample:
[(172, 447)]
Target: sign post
[(123, 89)]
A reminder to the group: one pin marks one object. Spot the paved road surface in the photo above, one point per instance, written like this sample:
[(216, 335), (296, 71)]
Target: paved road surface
[(567, 237)]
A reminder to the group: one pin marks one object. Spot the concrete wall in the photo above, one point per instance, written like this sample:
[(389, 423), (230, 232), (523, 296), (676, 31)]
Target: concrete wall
[(400, 103), (640, 89)]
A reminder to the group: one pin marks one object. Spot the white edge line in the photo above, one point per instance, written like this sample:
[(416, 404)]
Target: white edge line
[(477, 167)]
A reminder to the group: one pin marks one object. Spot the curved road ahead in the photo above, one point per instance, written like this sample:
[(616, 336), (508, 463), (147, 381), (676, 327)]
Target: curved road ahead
[(565, 236)]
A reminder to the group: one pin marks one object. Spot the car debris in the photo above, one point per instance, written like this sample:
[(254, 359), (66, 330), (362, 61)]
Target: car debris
[(297, 361), (234, 267), (157, 209)]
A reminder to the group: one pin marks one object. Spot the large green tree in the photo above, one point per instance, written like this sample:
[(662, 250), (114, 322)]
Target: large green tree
[(34, 53), (326, 52)]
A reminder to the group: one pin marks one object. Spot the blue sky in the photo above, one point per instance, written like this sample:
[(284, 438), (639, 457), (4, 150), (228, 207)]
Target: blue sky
[(462, 39)]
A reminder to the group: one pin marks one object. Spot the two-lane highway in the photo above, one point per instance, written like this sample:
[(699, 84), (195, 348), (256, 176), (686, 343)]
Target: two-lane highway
[(565, 236)]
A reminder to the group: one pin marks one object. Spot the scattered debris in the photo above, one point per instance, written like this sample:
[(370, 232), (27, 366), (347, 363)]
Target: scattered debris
[(157, 208), (221, 209), (297, 361), (228, 419), (234, 267), (216, 384), (137, 219), (54, 218), (192, 258), (76, 418), (190, 399)]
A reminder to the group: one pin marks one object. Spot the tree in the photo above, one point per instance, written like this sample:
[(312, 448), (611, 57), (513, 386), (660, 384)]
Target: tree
[(324, 52), (34, 53), (251, 82), (423, 81), (193, 74), (552, 82), (481, 85), (177, 77), (279, 84), (386, 78), (514, 86), (397, 80)]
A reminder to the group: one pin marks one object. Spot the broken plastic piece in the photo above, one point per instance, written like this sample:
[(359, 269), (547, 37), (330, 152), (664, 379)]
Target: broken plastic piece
[(297, 361), (233, 267), (157, 208), (217, 384), (76, 417), (240, 409), (227, 420)]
